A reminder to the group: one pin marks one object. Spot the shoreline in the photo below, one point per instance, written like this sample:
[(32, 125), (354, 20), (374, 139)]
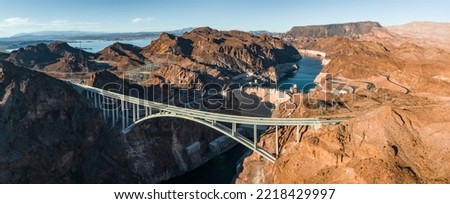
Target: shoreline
[(315, 54)]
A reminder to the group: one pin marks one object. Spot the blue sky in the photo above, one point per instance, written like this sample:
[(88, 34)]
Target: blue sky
[(20, 16)]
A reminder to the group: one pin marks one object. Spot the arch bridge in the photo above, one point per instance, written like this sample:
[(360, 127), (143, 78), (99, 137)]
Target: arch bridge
[(128, 111)]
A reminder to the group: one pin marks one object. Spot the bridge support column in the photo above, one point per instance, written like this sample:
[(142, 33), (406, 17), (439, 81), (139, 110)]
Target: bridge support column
[(95, 100), (103, 106), (233, 129), (113, 112), (123, 114), (99, 101), (255, 136), (111, 108), (107, 105), (127, 117), (116, 109), (146, 111), (297, 133), (276, 141), (138, 110), (133, 110)]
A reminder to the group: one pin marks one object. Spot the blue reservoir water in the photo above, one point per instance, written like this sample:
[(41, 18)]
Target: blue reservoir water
[(308, 70), (222, 169), (98, 45)]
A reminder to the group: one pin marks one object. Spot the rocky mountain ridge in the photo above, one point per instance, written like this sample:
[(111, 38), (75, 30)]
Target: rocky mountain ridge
[(47, 129), (122, 56), (428, 34), (223, 54), (55, 57), (205, 53), (384, 145), (398, 129)]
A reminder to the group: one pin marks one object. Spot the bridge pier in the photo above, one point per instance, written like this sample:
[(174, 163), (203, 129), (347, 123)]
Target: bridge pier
[(99, 101), (233, 129), (95, 100), (255, 136), (107, 107), (127, 117), (103, 107), (138, 112), (111, 108), (113, 113), (116, 102), (107, 110), (123, 114), (132, 111), (276, 141)]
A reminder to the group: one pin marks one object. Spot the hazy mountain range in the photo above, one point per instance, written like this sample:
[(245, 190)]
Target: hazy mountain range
[(24, 39)]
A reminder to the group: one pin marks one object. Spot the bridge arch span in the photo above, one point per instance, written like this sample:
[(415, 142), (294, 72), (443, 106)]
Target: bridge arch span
[(214, 125)]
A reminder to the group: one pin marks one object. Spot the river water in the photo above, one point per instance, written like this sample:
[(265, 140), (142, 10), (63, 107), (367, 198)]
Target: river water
[(223, 169), (308, 70), (220, 170)]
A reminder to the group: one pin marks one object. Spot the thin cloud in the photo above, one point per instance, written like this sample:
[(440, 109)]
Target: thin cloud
[(66, 25), (14, 25), (17, 21), (58, 22), (14, 21), (140, 20)]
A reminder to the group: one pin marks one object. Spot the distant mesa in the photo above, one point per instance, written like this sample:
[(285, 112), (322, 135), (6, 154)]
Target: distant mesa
[(349, 30), (261, 32)]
